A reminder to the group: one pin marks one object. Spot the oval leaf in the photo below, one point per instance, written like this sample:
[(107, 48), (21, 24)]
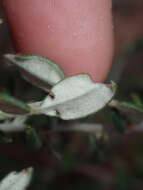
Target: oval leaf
[(39, 67), (11, 105), (76, 97), (16, 125), (17, 180)]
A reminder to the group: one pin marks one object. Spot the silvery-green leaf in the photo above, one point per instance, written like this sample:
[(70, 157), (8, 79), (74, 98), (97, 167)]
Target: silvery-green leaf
[(76, 97), (39, 69), (35, 81), (16, 125), (11, 105), (17, 180), (4, 115)]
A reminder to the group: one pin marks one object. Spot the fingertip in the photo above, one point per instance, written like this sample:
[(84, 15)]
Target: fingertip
[(76, 34)]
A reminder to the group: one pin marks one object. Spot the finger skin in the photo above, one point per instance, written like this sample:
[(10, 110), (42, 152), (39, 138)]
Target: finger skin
[(76, 34)]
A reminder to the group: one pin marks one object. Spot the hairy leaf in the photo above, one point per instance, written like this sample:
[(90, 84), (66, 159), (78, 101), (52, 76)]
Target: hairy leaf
[(76, 97), (17, 124), (40, 70), (17, 180)]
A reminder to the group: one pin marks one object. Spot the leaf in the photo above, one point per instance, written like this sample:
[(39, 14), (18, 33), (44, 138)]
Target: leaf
[(76, 97), (131, 105), (17, 180), (4, 115), (126, 105), (12, 105), (17, 124), (40, 70), (132, 112)]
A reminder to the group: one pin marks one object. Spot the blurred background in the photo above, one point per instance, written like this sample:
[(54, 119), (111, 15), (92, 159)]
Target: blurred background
[(109, 155)]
